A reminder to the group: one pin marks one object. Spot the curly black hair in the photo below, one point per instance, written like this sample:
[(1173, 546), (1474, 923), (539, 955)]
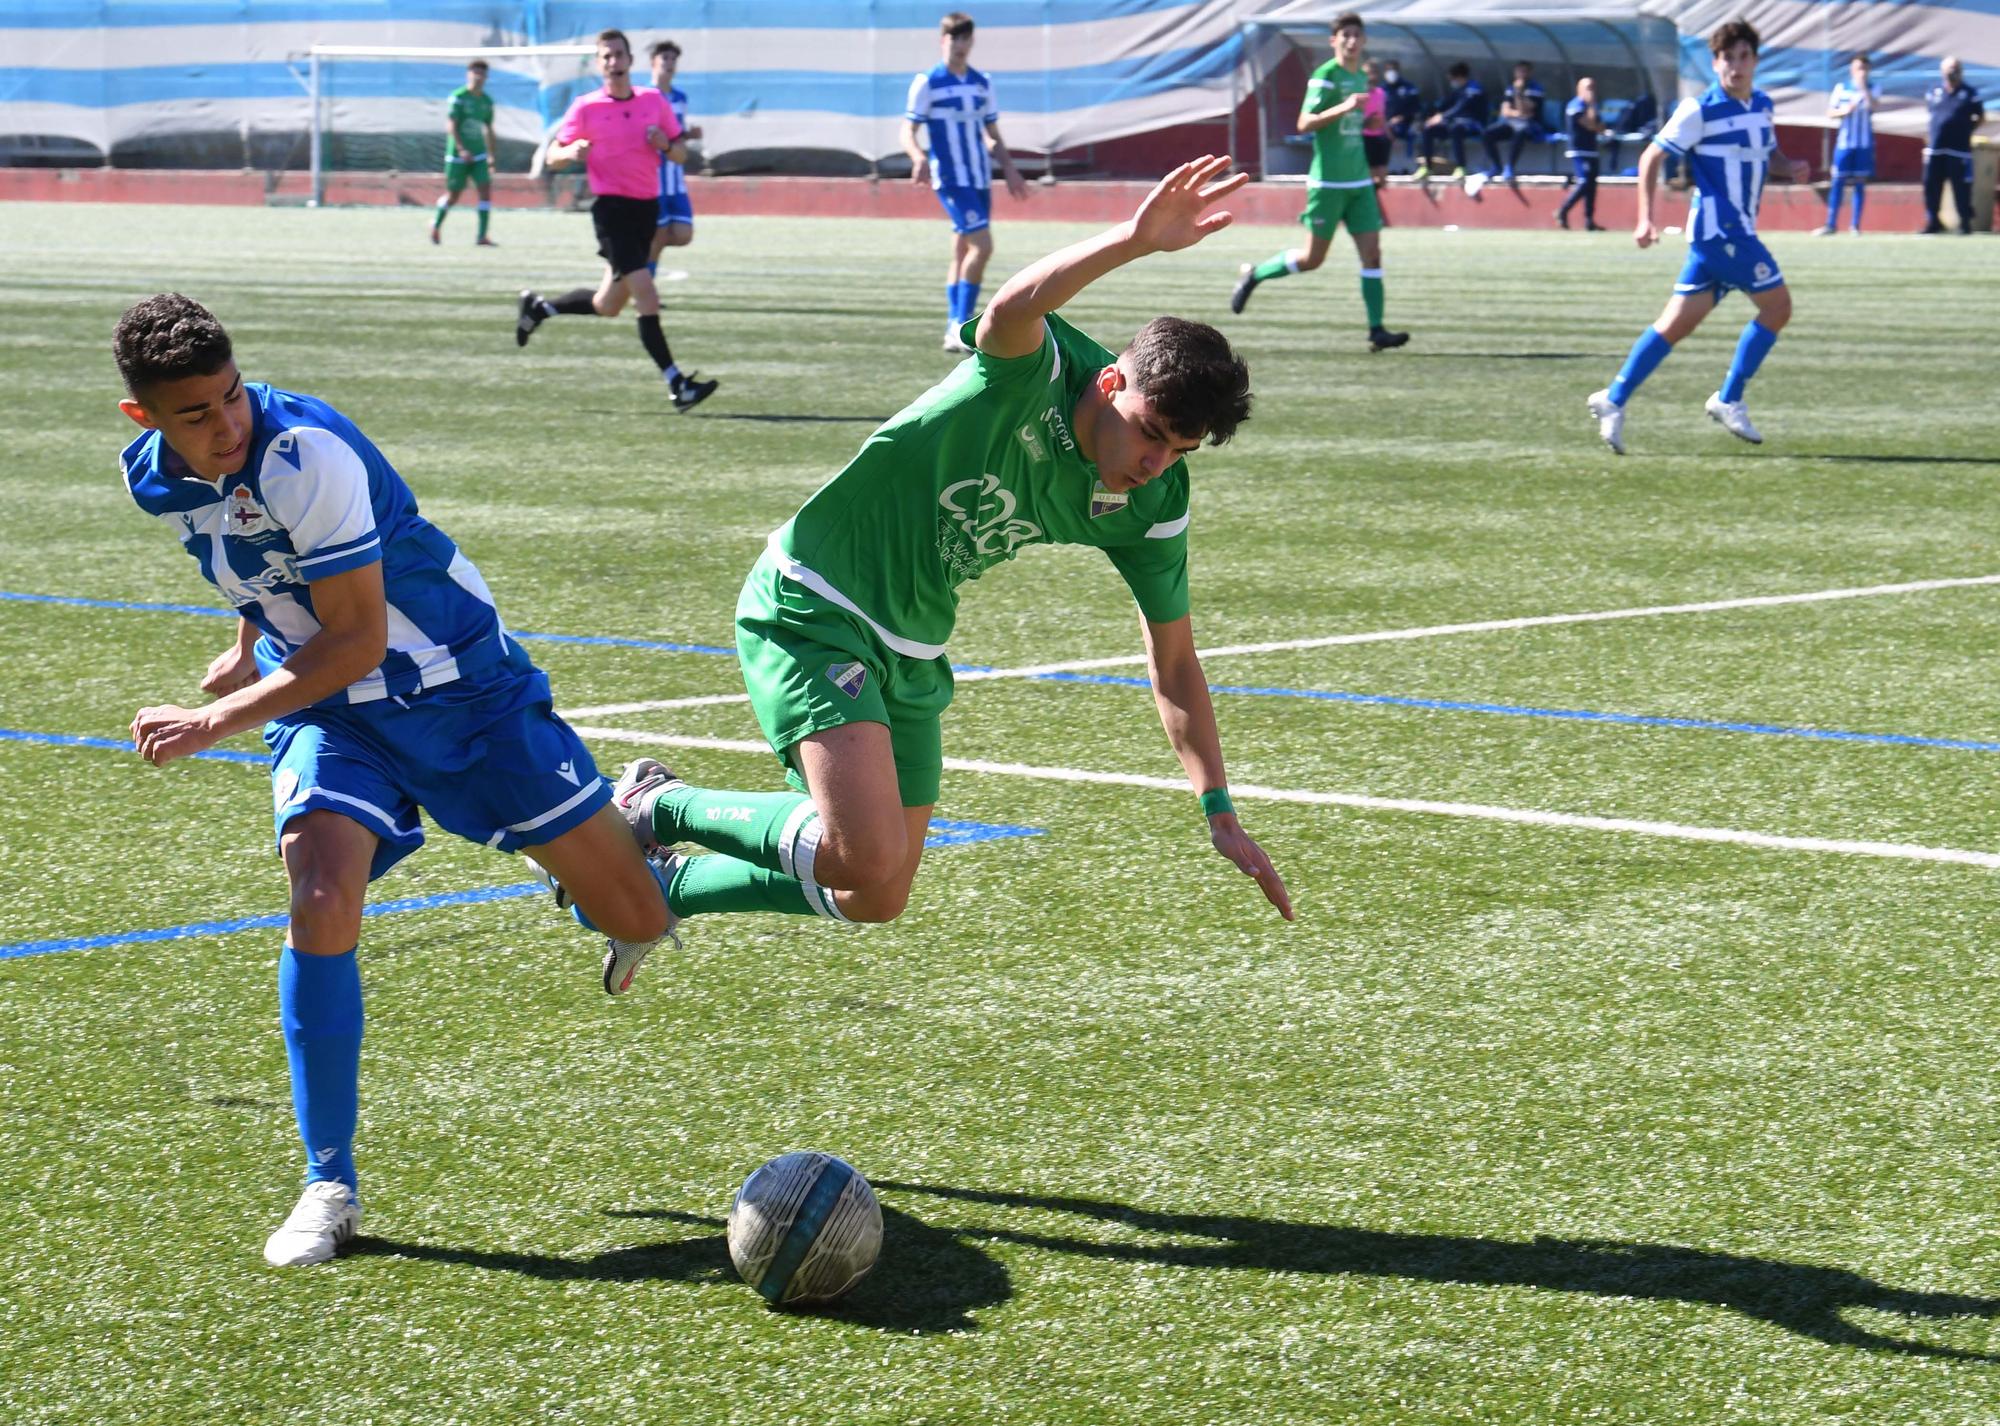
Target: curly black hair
[(165, 338), (1187, 371)]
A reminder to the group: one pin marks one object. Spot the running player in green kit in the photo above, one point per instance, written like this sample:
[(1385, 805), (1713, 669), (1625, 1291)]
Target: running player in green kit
[(1041, 437), (468, 149), (1342, 189)]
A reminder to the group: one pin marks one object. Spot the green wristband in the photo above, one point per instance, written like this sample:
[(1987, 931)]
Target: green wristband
[(1216, 800)]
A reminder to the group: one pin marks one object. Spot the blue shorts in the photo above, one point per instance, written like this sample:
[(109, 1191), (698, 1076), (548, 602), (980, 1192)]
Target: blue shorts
[(675, 208), (1854, 163), (970, 209), (489, 761), (1725, 265)]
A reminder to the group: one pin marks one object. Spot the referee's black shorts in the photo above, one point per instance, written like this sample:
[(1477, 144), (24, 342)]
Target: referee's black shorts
[(1378, 148), (624, 230)]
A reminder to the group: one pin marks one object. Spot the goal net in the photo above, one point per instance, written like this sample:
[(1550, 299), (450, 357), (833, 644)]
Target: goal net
[(379, 107)]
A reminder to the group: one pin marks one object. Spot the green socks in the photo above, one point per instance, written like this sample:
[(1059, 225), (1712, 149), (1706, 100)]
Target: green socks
[(759, 827), (703, 886), (1371, 294), (1279, 266), (485, 216)]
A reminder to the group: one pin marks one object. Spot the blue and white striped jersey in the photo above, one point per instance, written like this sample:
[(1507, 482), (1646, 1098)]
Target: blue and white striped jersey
[(956, 110), (1728, 145), (1857, 125), (315, 498), (673, 176)]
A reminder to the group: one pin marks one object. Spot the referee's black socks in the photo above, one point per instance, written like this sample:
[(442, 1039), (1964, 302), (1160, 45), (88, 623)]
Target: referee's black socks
[(655, 341), (574, 303)]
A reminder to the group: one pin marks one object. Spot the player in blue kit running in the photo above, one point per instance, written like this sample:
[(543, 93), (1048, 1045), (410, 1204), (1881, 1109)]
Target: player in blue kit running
[(949, 125), (675, 225), (371, 654), (1728, 139)]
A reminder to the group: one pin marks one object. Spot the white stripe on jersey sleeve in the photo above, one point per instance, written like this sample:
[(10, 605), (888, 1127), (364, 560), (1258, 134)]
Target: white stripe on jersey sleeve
[(1683, 129), (324, 501), (1167, 529), (989, 111), (918, 106)]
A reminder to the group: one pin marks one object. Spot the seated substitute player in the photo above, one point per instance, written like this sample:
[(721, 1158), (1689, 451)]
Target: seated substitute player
[(370, 652), (620, 133), (1852, 102), (1460, 117), (673, 226), (950, 123), (1042, 437), (1343, 189), (468, 150), (1728, 138)]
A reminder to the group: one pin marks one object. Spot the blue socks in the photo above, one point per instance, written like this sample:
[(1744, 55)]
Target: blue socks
[(1751, 348), (962, 300), (1647, 353), (1860, 197), (1833, 200), (319, 1007)]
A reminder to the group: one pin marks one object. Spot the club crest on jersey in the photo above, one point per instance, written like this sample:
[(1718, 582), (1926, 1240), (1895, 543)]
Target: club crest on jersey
[(848, 677), (244, 517), (1107, 502)]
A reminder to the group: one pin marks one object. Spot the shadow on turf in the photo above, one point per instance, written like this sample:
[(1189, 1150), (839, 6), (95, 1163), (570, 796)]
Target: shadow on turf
[(785, 418), (929, 1280), (1798, 1297), (1852, 458)]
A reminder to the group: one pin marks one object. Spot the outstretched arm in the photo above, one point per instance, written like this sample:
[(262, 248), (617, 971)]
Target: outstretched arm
[(1180, 689), (1173, 216)]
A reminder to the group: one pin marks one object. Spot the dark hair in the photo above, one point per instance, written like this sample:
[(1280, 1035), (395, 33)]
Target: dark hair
[(1863, 60), (1346, 18), (605, 37), (479, 64), (957, 24), (666, 47), (1187, 371), (1728, 36), (165, 338), (1459, 70)]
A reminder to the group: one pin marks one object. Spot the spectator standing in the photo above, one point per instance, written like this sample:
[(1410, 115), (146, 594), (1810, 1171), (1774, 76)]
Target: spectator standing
[(1955, 113), (1581, 119)]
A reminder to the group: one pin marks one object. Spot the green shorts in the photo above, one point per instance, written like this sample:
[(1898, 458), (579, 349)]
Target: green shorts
[(457, 170), (811, 665), (1328, 208)]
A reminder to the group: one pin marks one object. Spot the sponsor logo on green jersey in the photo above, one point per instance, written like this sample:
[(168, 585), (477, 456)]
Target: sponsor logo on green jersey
[(1031, 438)]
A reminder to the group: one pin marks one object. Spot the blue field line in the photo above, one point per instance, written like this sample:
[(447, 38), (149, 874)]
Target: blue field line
[(264, 923), (120, 745), (206, 611), (1577, 715), (1387, 700)]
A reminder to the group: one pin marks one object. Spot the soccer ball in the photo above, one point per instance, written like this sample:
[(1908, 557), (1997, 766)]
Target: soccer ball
[(804, 1228)]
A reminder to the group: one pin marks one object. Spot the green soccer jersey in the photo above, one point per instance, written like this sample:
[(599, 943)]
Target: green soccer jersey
[(1338, 155), (469, 114), (978, 467)]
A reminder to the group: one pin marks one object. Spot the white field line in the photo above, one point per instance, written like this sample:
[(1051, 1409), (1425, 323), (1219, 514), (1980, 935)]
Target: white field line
[(1895, 851), (1381, 636)]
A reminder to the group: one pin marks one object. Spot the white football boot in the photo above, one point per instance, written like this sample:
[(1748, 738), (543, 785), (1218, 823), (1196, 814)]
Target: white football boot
[(1610, 420), (633, 793), (1733, 417), (953, 342), (622, 959), (324, 1222)]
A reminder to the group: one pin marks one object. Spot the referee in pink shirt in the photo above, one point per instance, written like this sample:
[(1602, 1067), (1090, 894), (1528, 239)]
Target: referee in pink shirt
[(620, 132)]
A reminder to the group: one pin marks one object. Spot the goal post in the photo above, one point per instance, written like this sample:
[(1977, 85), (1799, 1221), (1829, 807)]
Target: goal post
[(383, 106)]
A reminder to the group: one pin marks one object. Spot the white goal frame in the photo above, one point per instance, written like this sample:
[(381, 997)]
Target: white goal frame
[(318, 54)]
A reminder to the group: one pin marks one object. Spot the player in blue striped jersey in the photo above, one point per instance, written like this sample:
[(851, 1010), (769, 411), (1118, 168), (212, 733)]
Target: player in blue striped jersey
[(675, 228), (950, 125), (1852, 103), (1728, 139), (370, 653)]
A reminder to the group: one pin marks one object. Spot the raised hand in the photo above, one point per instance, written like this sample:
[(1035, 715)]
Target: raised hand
[(1175, 214)]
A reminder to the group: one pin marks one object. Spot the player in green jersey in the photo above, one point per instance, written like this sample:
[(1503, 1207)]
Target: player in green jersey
[(1342, 189), (468, 149), (1040, 437)]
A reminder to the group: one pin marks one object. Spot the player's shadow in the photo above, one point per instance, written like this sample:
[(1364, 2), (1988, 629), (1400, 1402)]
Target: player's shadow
[(790, 418), (928, 1280), (1507, 356), (1799, 1297), (1992, 462)]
